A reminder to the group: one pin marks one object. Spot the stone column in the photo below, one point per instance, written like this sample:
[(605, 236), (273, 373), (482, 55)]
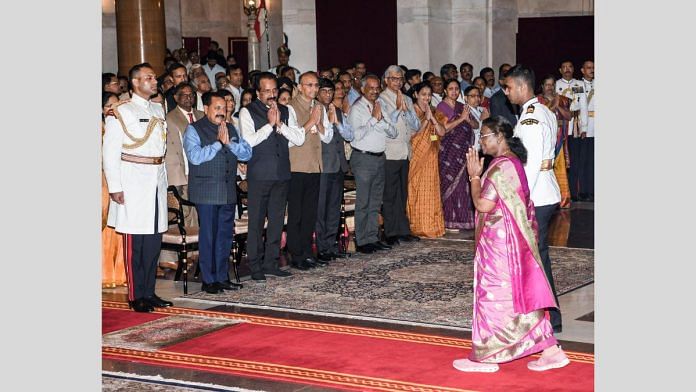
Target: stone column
[(172, 12), (141, 35), (300, 24), (503, 33), (252, 42)]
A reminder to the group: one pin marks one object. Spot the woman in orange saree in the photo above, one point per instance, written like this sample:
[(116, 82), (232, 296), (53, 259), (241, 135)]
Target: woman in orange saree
[(113, 267), (424, 207)]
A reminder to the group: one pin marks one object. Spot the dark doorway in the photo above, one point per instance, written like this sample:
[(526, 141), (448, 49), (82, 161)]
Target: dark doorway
[(239, 47), (357, 30), (199, 44), (542, 43)]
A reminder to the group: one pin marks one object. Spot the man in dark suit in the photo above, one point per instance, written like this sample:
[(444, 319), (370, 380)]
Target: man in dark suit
[(213, 147), (178, 73), (264, 125), (500, 104)]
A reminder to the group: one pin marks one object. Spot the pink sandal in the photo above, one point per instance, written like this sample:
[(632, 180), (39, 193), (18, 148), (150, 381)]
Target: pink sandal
[(466, 365), (555, 361)]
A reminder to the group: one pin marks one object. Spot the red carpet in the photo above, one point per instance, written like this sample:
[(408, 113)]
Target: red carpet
[(350, 358), (113, 319)]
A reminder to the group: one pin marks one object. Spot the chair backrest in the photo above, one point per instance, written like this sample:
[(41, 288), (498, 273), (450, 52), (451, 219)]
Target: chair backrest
[(174, 209), (242, 195)]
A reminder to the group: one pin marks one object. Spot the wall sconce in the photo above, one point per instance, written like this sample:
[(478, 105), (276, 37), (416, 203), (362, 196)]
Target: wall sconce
[(249, 7)]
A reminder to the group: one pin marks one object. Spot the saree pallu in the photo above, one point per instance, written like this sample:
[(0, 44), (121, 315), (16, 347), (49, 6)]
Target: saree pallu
[(561, 164), (424, 207), (113, 264), (458, 209), (511, 291)]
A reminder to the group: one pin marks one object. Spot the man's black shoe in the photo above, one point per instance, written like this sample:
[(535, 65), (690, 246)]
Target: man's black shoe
[(258, 277), (379, 245), (393, 240), (409, 238), (367, 248), (318, 262), (300, 265), (229, 285), (277, 272), (158, 302), (325, 256), (140, 305), (211, 288), (311, 262)]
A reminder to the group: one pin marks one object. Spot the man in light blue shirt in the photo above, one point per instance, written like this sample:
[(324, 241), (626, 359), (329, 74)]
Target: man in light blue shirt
[(213, 148), (370, 131)]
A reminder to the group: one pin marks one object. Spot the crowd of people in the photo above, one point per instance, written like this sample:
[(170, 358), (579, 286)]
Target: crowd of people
[(411, 140)]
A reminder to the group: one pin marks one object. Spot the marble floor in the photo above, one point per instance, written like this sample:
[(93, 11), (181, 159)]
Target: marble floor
[(572, 227)]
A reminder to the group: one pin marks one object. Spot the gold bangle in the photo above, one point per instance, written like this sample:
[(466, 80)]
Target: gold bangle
[(474, 178)]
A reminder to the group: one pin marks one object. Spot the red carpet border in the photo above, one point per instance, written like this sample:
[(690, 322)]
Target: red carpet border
[(359, 359)]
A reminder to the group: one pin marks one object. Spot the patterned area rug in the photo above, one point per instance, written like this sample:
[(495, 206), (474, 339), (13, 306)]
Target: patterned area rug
[(153, 335), (120, 382), (425, 282)]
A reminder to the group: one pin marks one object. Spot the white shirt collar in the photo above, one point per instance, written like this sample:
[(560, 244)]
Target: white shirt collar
[(185, 112)]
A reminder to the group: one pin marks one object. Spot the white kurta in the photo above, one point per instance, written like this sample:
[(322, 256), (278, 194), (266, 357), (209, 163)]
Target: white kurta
[(138, 182), (537, 129)]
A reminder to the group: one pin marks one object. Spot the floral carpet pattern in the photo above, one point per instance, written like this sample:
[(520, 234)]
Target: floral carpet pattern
[(430, 281), (154, 335)]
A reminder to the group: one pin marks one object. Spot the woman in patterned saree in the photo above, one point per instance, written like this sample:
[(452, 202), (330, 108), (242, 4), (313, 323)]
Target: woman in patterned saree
[(424, 207), (511, 291), (454, 189), (560, 106)]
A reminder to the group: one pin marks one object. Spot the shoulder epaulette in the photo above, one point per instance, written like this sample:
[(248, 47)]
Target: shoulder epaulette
[(529, 121)]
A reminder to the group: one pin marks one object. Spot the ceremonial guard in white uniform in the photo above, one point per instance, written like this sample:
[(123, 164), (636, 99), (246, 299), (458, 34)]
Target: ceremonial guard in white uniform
[(536, 128), (586, 154), (574, 90), (133, 154)]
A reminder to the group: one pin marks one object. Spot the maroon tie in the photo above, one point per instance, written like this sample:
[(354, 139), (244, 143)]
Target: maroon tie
[(190, 118)]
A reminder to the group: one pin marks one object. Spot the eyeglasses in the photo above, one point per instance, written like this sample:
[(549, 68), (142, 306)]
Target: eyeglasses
[(311, 84), (488, 134), (395, 78), (474, 95), (185, 95), (147, 77)]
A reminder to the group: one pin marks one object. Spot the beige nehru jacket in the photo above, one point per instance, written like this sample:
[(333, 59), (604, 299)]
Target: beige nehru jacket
[(307, 157)]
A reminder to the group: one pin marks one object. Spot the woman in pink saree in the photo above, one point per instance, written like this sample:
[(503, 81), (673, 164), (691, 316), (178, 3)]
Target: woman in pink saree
[(511, 292)]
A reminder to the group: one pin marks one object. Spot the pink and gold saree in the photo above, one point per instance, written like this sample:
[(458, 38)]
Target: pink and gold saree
[(511, 291)]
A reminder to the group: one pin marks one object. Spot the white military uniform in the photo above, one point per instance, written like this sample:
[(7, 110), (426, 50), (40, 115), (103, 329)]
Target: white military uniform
[(589, 104), (536, 128), (574, 90), (137, 181)]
